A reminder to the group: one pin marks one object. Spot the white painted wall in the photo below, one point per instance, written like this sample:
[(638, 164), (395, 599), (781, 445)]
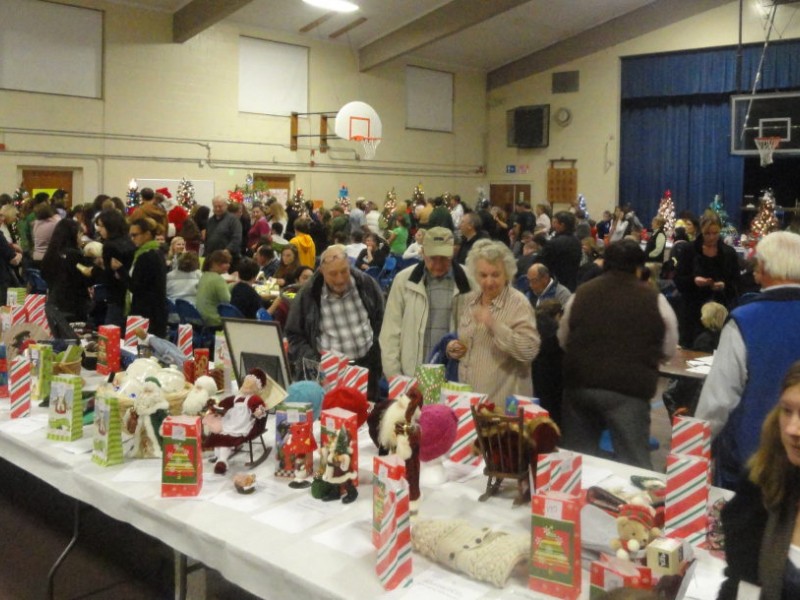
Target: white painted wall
[(596, 107), (188, 93)]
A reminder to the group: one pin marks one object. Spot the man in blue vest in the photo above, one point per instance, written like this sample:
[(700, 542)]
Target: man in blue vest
[(757, 346)]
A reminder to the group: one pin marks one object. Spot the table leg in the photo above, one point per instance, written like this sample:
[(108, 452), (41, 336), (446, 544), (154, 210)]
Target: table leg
[(182, 570), (76, 525)]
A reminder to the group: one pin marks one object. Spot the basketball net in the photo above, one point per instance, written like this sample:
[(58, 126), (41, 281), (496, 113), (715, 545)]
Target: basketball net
[(766, 146), (368, 144)]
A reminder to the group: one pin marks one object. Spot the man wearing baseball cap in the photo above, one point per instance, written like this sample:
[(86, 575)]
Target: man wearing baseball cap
[(424, 304)]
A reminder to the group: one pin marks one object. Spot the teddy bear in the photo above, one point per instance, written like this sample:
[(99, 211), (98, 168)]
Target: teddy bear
[(635, 528)]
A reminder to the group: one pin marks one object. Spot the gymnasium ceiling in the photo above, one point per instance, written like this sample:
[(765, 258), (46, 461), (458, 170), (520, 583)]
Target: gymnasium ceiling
[(507, 39)]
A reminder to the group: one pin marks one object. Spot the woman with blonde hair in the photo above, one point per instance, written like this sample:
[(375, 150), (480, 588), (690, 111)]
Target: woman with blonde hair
[(276, 213), (497, 335), (762, 531)]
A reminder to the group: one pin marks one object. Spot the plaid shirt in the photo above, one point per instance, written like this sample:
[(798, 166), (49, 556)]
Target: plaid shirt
[(344, 324)]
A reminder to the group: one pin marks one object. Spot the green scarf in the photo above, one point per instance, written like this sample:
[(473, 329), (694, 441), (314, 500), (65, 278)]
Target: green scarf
[(146, 247)]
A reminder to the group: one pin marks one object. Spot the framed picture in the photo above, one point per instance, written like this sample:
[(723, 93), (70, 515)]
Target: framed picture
[(257, 344)]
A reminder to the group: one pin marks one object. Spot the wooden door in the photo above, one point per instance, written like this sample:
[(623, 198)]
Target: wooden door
[(279, 186), (48, 180), (507, 195)]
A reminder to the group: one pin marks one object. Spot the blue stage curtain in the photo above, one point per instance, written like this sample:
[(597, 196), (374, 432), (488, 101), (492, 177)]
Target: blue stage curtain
[(679, 147), (676, 124)]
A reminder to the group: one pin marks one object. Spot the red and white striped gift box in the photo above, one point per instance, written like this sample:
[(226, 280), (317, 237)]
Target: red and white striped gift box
[(355, 377), (461, 403), (19, 387), (399, 385), (34, 310), (185, 334), (559, 472), (691, 436), (132, 323), (686, 508), (394, 567), (330, 363)]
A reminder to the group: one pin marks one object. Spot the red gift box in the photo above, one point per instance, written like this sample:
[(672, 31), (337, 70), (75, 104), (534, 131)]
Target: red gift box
[(609, 574), (202, 356), (399, 385), (330, 363), (354, 377), (332, 420), (108, 349), (387, 472), (559, 472), (686, 506), (132, 323), (691, 436), (393, 566), (461, 403), (287, 414), (182, 460), (555, 567)]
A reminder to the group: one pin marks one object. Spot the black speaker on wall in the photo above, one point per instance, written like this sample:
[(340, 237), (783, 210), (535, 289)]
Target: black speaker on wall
[(528, 126)]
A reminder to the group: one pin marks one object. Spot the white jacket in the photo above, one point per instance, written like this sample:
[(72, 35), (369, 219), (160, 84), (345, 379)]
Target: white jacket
[(406, 317)]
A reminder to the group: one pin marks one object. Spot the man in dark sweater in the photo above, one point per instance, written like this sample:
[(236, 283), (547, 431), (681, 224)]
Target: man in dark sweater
[(562, 254), (615, 331)]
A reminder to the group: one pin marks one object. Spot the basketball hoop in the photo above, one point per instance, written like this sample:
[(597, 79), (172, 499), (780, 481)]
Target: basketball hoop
[(369, 144), (766, 146)]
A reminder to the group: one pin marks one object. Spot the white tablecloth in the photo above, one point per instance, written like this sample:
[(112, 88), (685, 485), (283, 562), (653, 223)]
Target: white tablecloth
[(278, 542)]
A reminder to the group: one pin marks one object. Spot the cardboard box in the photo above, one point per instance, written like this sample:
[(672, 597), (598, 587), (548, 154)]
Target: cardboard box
[(332, 420), (107, 443), (132, 323), (34, 310), (202, 356), (394, 566), (686, 506), (461, 403), (182, 460), (665, 556), (287, 414), (387, 472), (516, 401), (330, 363), (430, 379), (609, 574), (16, 296), (65, 420), (108, 341), (399, 385), (41, 356), (555, 567), (559, 472), (19, 387), (185, 339), (691, 436), (353, 376)]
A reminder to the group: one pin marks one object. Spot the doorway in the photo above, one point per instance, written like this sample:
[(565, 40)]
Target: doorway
[(49, 180), (508, 195), (279, 186)]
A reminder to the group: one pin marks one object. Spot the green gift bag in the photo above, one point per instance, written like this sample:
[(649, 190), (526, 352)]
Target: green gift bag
[(65, 421), (107, 444), (430, 379)]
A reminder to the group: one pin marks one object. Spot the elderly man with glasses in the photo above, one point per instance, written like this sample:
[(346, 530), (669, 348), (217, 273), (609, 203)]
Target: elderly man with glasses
[(337, 309)]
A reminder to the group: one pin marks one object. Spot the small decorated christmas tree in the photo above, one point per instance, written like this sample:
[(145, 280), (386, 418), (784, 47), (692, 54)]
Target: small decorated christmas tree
[(133, 194), (418, 193), (666, 209), (765, 220), (185, 194), (391, 202), (299, 203), (20, 196), (728, 230)]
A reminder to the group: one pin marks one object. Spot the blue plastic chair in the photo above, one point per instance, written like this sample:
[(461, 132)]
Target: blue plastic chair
[(36, 282), (203, 337), (227, 310), (608, 447), (263, 315), (386, 276)]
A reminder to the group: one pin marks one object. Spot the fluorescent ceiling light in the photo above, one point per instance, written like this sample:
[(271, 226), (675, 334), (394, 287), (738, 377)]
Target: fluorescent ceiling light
[(335, 5)]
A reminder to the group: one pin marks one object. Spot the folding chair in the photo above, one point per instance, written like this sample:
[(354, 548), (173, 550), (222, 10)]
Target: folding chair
[(227, 310), (202, 336)]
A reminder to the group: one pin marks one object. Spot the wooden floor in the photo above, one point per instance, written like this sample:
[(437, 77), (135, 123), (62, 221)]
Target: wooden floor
[(114, 560)]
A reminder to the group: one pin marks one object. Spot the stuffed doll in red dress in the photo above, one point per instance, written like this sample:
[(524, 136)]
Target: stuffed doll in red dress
[(234, 418)]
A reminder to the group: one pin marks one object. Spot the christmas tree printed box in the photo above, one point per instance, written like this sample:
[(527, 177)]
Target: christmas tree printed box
[(108, 349), (107, 444), (182, 461), (332, 420), (287, 414), (65, 422), (41, 371), (556, 545)]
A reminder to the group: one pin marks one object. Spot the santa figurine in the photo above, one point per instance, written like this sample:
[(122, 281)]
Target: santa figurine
[(232, 420), (337, 469), (144, 420)]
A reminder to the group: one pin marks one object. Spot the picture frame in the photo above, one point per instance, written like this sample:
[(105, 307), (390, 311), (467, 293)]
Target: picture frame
[(257, 344)]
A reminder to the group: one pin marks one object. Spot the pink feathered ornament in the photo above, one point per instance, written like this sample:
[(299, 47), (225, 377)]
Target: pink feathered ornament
[(438, 426)]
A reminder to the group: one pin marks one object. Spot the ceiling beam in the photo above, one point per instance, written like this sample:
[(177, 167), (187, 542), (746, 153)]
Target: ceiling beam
[(446, 20), (646, 19), (199, 15)]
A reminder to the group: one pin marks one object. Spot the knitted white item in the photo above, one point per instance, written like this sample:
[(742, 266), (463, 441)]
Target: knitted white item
[(480, 553)]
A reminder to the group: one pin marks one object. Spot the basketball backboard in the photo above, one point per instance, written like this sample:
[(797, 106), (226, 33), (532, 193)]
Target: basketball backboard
[(358, 122), (764, 116)]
